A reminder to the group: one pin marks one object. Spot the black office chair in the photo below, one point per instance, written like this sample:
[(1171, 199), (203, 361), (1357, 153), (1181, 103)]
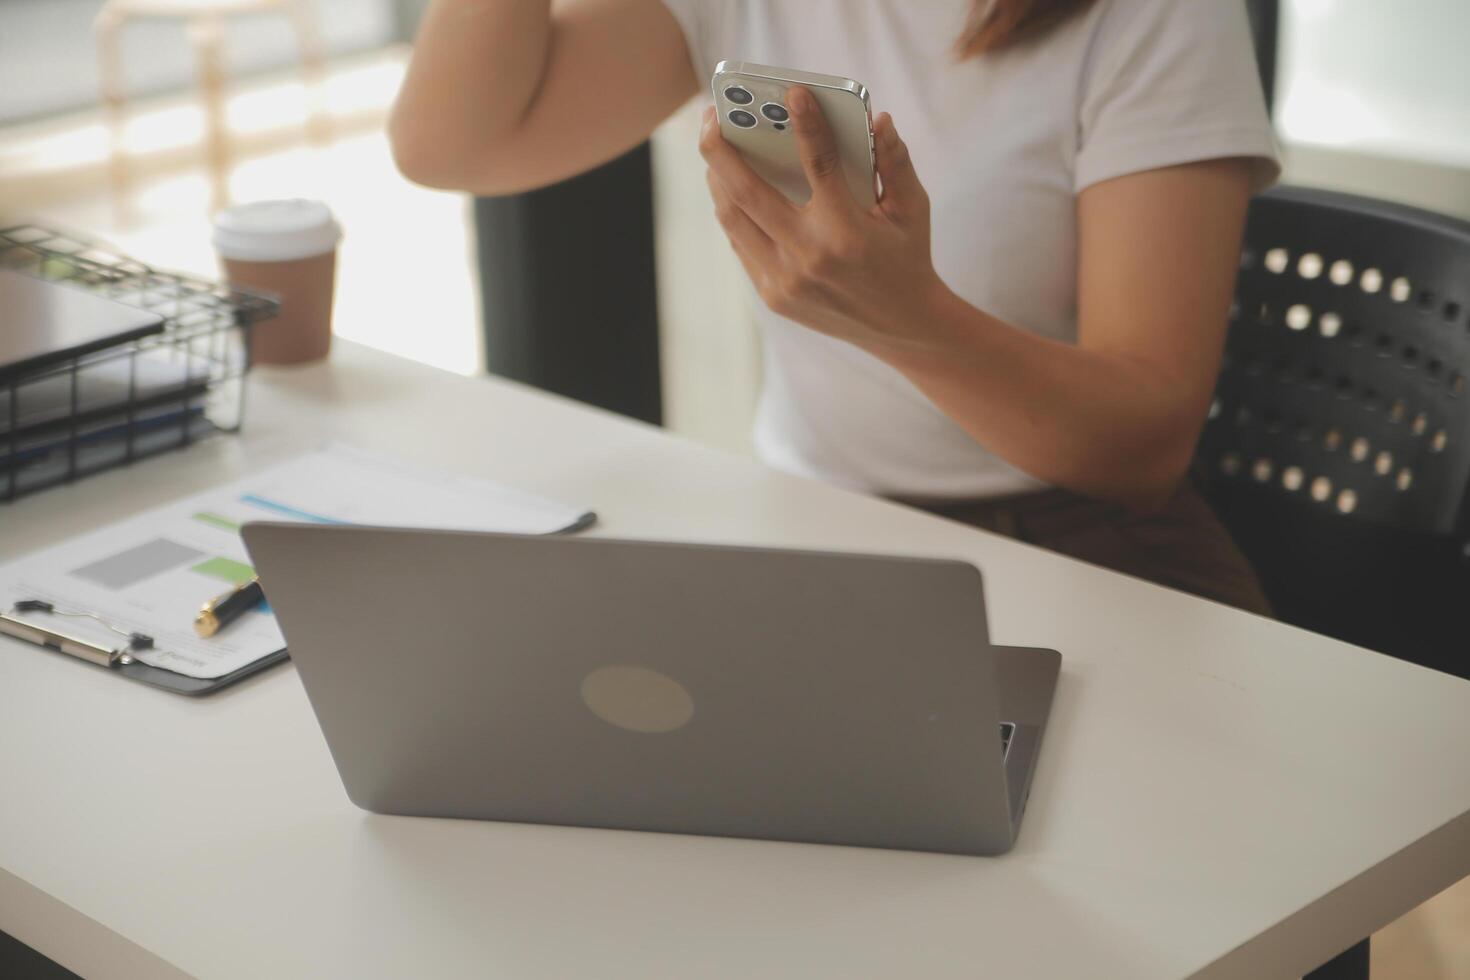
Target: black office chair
[(1338, 446)]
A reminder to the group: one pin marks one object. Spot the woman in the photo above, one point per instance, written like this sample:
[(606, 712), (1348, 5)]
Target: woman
[(1025, 332)]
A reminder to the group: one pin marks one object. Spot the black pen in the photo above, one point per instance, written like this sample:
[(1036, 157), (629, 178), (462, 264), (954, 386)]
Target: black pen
[(223, 610)]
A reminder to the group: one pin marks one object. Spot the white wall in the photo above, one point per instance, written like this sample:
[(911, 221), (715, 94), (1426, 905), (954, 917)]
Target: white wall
[(1374, 98), (709, 345), (1391, 79)]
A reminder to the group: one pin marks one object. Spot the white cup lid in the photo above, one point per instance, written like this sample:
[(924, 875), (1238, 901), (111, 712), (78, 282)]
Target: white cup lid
[(276, 231)]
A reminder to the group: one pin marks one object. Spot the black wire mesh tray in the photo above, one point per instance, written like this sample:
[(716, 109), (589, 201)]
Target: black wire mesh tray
[(110, 407)]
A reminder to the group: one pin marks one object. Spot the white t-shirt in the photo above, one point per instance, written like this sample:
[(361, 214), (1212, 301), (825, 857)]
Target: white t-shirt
[(1004, 143)]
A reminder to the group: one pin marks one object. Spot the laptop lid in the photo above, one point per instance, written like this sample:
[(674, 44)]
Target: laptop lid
[(749, 692), (44, 323)]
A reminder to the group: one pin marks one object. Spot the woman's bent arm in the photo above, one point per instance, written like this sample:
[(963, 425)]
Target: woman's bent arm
[(508, 95), (1115, 415)]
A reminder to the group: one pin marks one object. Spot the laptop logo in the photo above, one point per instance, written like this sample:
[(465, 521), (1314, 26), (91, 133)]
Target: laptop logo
[(637, 699)]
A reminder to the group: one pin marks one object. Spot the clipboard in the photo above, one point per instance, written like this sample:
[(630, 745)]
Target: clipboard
[(119, 659)]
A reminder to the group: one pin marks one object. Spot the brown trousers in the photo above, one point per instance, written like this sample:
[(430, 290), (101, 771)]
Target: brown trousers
[(1183, 546)]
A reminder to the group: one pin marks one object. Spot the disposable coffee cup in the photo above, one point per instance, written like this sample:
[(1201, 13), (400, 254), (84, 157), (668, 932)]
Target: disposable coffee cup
[(288, 248)]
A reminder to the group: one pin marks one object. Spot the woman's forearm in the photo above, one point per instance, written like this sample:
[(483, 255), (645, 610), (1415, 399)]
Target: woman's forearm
[(475, 70), (1101, 424)]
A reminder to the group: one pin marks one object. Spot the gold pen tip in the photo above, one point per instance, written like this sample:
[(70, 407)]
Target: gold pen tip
[(206, 624)]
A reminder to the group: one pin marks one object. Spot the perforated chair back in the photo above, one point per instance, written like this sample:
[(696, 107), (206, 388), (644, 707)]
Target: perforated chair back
[(1344, 379)]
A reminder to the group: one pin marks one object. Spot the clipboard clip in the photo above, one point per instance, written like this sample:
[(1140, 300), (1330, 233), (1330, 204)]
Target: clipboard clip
[(70, 643)]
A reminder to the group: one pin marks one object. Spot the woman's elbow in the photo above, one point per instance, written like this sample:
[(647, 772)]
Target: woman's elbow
[(434, 155), (1142, 477), (419, 157), (446, 165), (1156, 478)]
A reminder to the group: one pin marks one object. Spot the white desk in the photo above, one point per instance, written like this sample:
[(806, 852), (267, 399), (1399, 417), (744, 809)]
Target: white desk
[(1218, 795)]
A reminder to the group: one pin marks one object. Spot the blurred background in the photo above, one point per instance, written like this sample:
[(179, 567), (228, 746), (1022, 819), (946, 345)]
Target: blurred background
[(132, 120), (408, 268)]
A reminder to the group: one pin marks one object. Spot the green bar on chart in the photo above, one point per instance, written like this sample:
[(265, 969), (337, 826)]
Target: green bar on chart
[(226, 570), (214, 520)]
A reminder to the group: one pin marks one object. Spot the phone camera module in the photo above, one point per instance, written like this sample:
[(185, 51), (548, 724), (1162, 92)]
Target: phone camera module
[(738, 95), (742, 118), (775, 112)]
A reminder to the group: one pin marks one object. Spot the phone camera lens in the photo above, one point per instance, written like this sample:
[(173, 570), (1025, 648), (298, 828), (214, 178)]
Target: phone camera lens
[(738, 95), (742, 118), (775, 113)]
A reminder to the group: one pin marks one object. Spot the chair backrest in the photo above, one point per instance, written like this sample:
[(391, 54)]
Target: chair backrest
[(1344, 379)]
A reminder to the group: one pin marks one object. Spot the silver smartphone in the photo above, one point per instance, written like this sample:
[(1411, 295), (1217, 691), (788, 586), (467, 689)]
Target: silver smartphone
[(751, 102)]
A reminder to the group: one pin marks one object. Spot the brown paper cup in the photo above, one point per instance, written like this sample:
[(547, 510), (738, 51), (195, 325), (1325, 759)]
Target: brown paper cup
[(303, 329), (288, 248)]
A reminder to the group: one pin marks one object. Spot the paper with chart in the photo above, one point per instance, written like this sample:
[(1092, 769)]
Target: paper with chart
[(151, 573)]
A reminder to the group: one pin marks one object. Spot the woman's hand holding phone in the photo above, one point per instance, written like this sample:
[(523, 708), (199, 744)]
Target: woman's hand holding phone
[(865, 276)]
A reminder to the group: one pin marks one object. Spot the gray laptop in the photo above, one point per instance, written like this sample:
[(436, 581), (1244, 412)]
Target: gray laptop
[(697, 689)]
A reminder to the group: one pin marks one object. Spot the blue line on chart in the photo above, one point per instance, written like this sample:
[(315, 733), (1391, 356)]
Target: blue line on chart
[(288, 510)]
